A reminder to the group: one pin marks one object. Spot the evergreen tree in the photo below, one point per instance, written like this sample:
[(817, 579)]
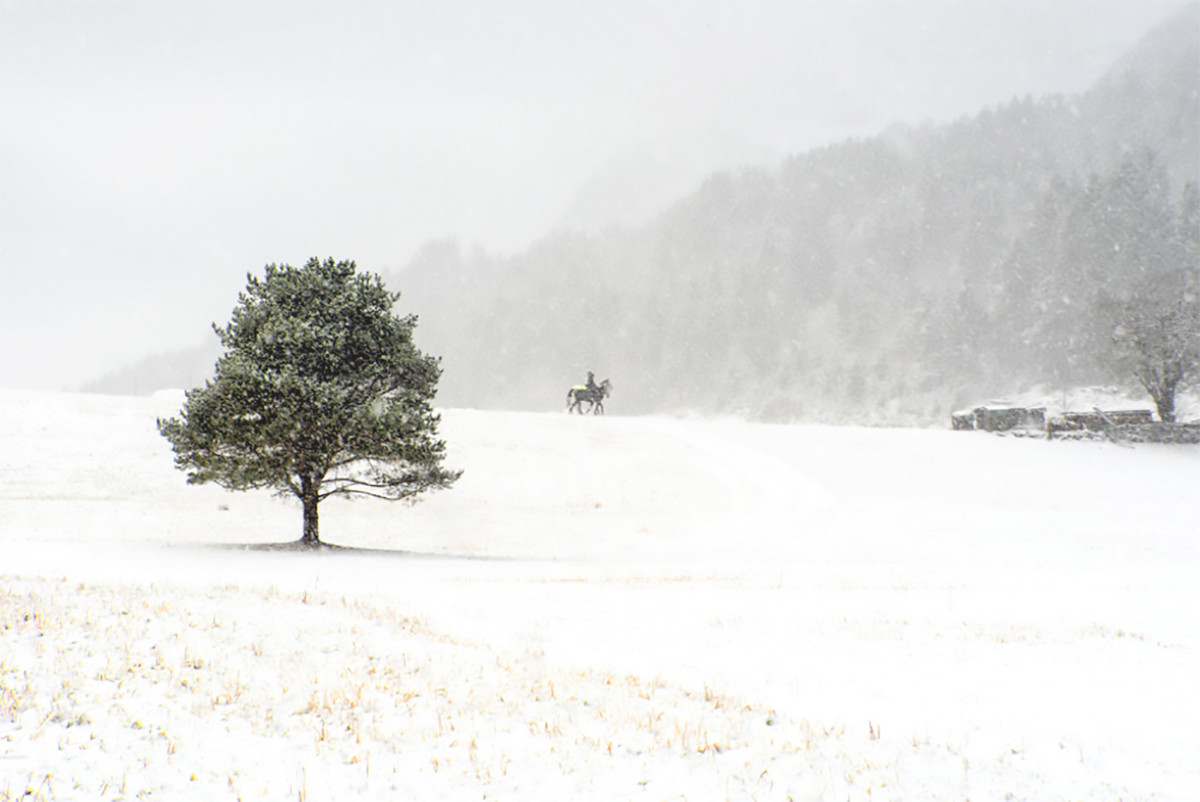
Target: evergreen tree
[(321, 392)]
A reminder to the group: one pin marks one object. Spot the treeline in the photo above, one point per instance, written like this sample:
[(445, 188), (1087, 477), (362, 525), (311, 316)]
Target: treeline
[(889, 279)]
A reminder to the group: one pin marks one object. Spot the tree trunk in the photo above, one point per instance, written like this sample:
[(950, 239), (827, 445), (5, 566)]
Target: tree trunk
[(1164, 399), (308, 497)]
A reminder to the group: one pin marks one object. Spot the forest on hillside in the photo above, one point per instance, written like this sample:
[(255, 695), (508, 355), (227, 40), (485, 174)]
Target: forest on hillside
[(889, 279)]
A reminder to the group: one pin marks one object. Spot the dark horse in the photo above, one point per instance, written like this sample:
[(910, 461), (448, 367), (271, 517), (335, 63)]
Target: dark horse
[(579, 394)]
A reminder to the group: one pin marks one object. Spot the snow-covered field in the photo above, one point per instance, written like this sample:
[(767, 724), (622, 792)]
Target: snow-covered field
[(603, 608)]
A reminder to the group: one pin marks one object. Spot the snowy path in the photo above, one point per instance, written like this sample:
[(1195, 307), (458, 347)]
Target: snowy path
[(918, 614)]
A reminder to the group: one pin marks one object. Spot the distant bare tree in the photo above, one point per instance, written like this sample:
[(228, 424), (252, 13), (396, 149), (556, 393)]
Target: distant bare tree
[(1160, 345)]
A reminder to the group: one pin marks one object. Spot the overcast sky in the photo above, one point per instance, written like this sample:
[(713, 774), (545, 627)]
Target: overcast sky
[(152, 153)]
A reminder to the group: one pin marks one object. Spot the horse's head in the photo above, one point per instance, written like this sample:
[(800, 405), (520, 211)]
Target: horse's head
[(605, 387)]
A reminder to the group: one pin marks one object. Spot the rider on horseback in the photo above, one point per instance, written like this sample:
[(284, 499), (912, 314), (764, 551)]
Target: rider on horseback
[(591, 393)]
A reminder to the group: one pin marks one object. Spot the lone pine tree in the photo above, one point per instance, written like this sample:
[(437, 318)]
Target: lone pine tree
[(321, 392)]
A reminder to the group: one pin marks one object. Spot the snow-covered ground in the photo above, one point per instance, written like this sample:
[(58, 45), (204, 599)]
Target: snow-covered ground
[(603, 608)]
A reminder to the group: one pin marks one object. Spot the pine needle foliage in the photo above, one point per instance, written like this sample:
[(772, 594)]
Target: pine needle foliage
[(321, 392)]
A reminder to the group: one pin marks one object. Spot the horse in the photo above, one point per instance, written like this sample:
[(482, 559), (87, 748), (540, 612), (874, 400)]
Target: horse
[(580, 393)]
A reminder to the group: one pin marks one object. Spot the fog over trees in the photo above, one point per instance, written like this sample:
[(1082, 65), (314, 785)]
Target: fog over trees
[(886, 279)]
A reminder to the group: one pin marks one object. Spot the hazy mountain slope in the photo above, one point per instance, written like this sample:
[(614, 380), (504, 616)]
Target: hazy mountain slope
[(188, 367), (886, 279), (1151, 98), (870, 279)]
